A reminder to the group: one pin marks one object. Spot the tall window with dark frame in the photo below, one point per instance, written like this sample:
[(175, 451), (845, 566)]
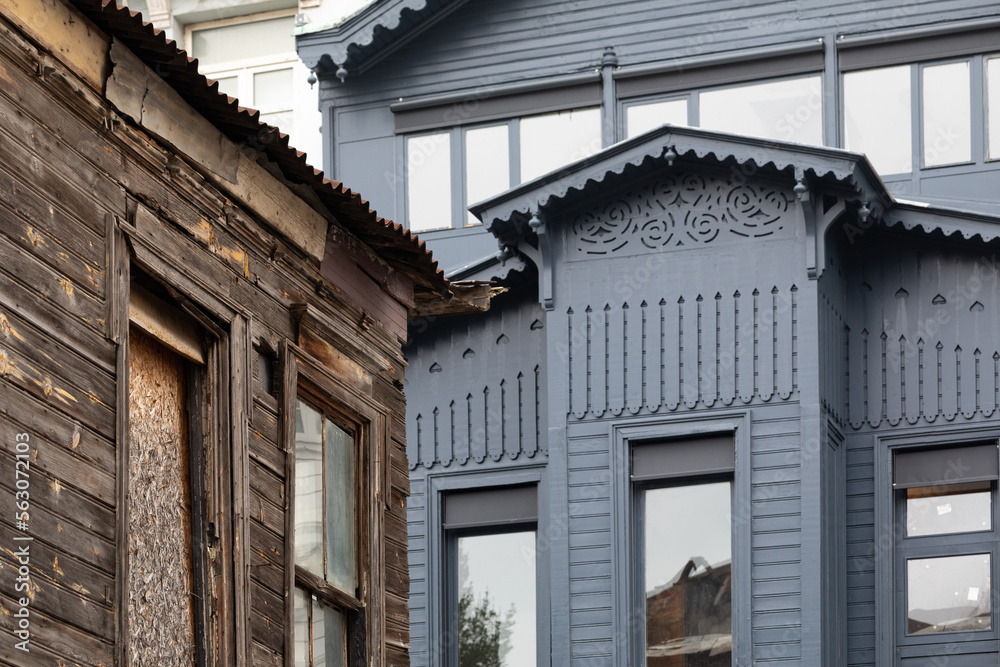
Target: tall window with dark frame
[(946, 548), (328, 612), (683, 495), (491, 592)]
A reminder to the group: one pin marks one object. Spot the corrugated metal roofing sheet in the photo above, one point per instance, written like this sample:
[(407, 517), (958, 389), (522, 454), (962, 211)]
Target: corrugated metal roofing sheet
[(400, 248)]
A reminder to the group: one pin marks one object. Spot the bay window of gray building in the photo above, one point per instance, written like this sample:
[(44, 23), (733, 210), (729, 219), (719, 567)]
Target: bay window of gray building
[(945, 504), (683, 532), (490, 541)]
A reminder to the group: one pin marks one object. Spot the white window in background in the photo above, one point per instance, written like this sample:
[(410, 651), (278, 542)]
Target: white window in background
[(428, 181), (877, 117), (438, 191), (947, 114), (254, 60), (993, 106), (787, 110), (553, 140), (487, 164), (643, 117)]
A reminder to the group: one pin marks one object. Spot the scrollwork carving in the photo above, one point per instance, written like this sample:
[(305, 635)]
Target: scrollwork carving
[(681, 211)]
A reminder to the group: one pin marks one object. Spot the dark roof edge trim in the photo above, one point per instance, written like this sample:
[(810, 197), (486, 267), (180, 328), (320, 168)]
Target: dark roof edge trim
[(499, 90), (903, 34), (697, 62)]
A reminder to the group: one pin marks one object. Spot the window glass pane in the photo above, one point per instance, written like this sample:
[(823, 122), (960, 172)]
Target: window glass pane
[(993, 105), (790, 110), (487, 164), (329, 637), (556, 139), (230, 85), (947, 114), (641, 118), (428, 181), (301, 628), (950, 594), (309, 489), (230, 43), (273, 89), (959, 508), (496, 603), (340, 558), (877, 117), (688, 586)]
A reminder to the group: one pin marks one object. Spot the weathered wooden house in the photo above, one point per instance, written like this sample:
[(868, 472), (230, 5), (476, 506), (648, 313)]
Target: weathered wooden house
[(201, 407), (740, 404)]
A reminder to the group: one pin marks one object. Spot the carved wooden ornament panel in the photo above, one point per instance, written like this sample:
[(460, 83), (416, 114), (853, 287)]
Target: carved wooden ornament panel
[(678, 212)]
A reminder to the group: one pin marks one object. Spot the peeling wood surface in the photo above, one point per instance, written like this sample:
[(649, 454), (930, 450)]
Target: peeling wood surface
[(55, 22), (161, 610), (143, 96)]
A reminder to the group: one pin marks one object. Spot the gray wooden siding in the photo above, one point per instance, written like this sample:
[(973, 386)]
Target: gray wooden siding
[(923, 323), (488, 42), (477, 392)]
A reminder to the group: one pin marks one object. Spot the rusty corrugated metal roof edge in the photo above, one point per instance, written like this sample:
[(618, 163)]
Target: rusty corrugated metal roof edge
[(242, 125)]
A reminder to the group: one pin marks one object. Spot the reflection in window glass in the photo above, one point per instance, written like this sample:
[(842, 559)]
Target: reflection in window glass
[(320, 634), (329, 640), (487, 164), (496, 600), (301, 628), (948, 594), (428, 180), (947, 114), (323, 449), (790, 110), (877, 117), (340, 559), (993, 106), (554, 140), (958, 508), (229, 43), (641, 118), (688, 585), (309, 489)]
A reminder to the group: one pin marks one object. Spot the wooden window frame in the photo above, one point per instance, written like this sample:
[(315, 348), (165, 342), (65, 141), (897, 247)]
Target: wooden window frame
[(306, 378), (225, 392)]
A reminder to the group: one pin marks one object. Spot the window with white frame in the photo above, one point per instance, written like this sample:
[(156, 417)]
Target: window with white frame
[(446, 171), (924, 115), (682, 494), (945, 509), (490, 541), (786, 109), (254, 60)]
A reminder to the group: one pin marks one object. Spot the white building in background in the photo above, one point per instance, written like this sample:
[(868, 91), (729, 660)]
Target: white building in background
[(249, 48)]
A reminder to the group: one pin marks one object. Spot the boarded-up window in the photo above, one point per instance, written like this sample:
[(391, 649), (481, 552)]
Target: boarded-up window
[(161, 580)]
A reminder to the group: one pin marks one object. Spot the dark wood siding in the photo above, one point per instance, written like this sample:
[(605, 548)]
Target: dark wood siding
[(80, 185)]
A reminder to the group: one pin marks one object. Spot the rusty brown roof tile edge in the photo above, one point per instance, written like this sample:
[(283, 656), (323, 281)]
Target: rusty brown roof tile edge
[(241, 125)]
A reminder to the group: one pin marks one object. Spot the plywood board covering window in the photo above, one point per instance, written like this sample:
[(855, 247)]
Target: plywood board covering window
[(161, 601)]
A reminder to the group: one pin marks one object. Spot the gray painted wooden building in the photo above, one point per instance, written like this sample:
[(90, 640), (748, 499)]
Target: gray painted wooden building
[(738, 404)]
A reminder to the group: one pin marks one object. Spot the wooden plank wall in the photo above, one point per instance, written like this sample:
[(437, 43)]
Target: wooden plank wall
[(69, 167), (56, 368)]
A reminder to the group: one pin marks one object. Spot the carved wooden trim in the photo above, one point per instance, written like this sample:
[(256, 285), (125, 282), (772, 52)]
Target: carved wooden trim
[(682, 211)]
